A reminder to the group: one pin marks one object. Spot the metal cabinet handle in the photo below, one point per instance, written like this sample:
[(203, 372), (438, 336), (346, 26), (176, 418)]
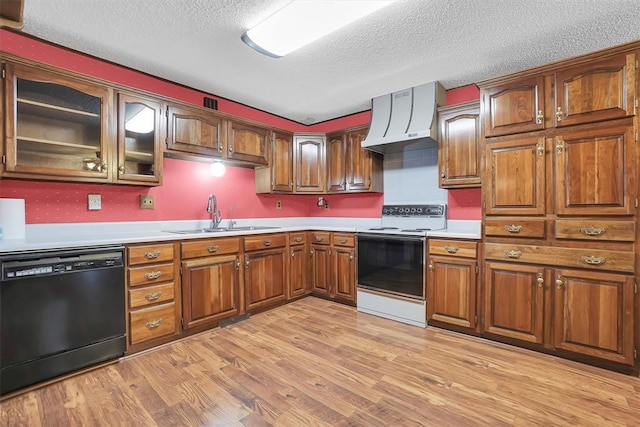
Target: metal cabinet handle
[(213, 248), (293, 254), (343, 241), (443, 175), (513, 228), (319, 239), (540, 280), (152, 324), (350, 257), (539, 117), (592, 231), (559, 114), (540, 149), (513, 253), (431, 266), (593, 260), (312, 252), (103, 166), (152, 297), (246, 264), (230, 149), (152, 254), (298, 239), (121, 169), (219, 147), (152, 275), (559, 146), (559, 282), (451, 249), (266, 242)]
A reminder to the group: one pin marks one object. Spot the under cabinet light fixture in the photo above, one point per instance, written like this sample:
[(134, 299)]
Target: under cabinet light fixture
[(304, 21), (217, 168)]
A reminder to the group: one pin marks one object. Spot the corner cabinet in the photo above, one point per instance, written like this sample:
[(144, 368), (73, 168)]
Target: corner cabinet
[(459, 151), (56, 126), (278, 177)]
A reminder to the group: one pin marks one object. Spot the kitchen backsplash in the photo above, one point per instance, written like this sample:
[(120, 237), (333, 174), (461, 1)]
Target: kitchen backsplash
[(412, 177)]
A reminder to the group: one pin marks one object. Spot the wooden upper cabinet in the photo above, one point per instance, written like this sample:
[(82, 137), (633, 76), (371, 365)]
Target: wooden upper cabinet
[(195, 130), (514, 107), (309, 166), (336, 163), (515, 176), (361, 164), (282, 162), (139, 139), (596, 91), (595, 172), (594, 314), (249, 143), (56, 126), (459, 150)]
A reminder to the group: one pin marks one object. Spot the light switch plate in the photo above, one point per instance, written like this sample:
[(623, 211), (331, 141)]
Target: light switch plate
[(94, 202)]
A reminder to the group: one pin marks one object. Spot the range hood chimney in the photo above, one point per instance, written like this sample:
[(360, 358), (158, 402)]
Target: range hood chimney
[(405, 120)]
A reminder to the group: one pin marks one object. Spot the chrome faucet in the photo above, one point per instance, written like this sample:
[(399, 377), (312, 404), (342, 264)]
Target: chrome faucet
[(212, 208)]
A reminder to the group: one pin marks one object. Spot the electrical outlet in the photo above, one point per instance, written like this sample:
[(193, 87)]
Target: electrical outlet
[(326, 206), (147, 201), (94, 202), (278, 204)]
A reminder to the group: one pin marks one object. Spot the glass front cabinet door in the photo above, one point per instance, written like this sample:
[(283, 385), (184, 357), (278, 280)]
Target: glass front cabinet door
[(139, 156), (56, 126)]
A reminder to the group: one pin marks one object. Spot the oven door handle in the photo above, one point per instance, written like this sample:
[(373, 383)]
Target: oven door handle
[(391, 237)]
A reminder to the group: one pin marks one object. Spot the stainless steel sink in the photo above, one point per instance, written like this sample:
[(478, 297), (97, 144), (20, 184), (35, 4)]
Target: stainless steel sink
[(198, 230), (253, 227)]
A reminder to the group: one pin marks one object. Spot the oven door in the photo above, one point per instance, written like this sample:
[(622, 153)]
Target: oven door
[(392, 264)]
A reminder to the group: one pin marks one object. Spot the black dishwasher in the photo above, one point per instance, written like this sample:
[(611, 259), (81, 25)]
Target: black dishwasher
[(60, 311)]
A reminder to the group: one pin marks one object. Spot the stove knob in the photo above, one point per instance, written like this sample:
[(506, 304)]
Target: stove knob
[(401, 210), (413, 210), (419, 210)]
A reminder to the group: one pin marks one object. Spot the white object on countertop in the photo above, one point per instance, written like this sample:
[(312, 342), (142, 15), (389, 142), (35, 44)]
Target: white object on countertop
[(12, 219)]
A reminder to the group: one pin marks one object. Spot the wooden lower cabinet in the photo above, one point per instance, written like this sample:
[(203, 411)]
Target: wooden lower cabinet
[(593, 314), (514, 301), (451, 291), (299, 283), (333, 266), (320, 269), (265, 277), (343, 283)]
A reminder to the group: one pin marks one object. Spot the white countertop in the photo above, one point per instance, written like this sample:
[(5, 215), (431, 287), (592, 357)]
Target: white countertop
[(60, 236)]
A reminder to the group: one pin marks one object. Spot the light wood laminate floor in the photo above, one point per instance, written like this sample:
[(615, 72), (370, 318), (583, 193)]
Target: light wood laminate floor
[(319, 363)]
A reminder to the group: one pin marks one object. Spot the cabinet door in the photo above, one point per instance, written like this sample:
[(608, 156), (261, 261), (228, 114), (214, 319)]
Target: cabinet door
[(336, 163), (343, 283), (197, 131), (596, 91), (309, 165), (320, 269), (298, 271), (139, 139), (514, 107), (248, 143), (56, 126), (594, 314), (451, 291), (209, 290), (265, 280), (514, 301), (595, 172), (515, 176), (282, 163), (459, 151), (359, 168)]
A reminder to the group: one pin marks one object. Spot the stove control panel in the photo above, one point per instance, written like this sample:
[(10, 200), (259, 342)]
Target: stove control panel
[(433, 211)]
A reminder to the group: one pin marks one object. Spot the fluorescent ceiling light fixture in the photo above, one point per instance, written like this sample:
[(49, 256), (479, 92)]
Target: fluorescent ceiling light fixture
[(304, 21)]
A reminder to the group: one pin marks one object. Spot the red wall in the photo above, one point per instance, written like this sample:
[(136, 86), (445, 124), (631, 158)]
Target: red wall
[(186, 184)]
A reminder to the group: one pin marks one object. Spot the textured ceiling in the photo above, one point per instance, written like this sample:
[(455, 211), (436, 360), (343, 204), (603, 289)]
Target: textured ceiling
[(457, 42)]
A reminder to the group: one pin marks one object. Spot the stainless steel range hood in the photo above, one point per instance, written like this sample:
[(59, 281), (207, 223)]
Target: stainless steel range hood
[(405, 120)]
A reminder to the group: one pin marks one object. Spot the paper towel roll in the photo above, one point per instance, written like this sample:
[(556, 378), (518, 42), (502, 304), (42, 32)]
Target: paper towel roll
[(12, 218)]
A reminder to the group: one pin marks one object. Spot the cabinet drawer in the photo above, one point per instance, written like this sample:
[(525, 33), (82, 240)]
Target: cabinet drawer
[(208, 247), (515, 228), (320, 237), (152, 323), (150, 274), (453, 248), (297, 238), (150, 254), (254, 243), (564, 257), (148, 295), (341, 239), (624, 231)]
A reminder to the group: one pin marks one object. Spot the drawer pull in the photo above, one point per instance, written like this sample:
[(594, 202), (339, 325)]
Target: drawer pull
[(513, 253), (451, 249), (319, 239), (343, 241), (152, 324), (298, 239), (513, 228), (266, 242), (539, 117), (593, 260), (152, 254), (592, 231), (213, 248), (152, 275), (152, 297)]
